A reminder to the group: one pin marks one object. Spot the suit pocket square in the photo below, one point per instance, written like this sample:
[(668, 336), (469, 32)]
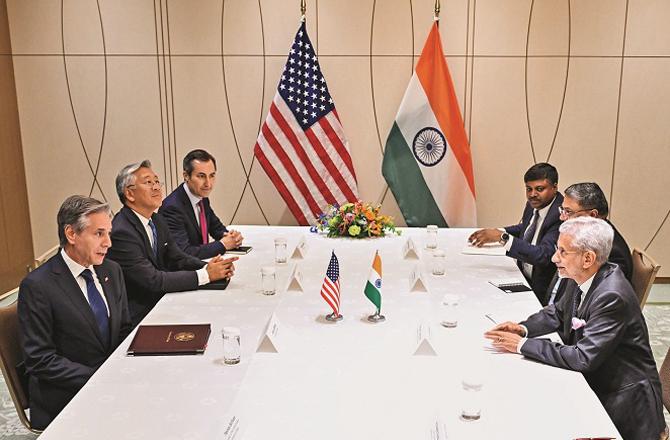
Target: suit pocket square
[(577, 323)]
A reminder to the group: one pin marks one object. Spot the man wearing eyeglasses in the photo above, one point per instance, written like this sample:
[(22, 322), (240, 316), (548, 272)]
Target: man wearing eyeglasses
[(587, 199), (532, 241), (605, 335), (141, 243)]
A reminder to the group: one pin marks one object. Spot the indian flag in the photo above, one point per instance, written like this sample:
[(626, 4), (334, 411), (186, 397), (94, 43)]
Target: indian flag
[(427, 162), (373, 288)]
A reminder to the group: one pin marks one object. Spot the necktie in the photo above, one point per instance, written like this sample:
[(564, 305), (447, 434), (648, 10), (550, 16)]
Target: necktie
[(203, 222), (576, 300), (154, 243), (97, 305), (530, 232)]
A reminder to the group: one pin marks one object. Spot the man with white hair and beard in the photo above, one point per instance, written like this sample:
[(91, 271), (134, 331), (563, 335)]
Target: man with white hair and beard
[(605, 334)]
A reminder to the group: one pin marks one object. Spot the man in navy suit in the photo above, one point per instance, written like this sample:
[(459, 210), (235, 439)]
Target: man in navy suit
[(141, 243), (72, 310), (605, 334), (189, 213), (532, 241)]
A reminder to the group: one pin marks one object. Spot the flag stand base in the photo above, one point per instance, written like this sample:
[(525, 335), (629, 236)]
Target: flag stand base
[(377, 317), (334, 318)]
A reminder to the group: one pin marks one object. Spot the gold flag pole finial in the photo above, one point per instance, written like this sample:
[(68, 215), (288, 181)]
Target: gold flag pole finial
[(303, 7), (437, 9)]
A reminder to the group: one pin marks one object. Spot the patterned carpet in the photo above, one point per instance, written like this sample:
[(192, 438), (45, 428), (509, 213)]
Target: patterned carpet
[(658, 321)]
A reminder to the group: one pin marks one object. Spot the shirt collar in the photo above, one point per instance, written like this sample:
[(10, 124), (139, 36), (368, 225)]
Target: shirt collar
[(543, 212), (192, 197), (586, 285), (74, 267), (143, 219)]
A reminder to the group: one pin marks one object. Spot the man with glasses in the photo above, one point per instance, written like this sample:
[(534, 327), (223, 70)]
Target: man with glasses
[(532, 241), (587, 199), (141, 243), (189, 214), (605, 334)]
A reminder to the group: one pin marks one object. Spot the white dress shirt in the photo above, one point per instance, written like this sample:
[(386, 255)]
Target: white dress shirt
[(194, 202), (76, 269)]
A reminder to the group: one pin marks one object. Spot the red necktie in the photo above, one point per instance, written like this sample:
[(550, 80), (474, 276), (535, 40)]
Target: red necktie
[(203, 221)]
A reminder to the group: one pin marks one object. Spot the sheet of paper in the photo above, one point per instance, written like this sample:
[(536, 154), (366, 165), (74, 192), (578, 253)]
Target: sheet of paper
[(494, 249)]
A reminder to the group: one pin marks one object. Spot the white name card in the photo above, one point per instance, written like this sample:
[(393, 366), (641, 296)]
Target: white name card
[(295, 281), (300, 250), (232, 428), (416, 283), (409, 250), (269, 342), (424, 345)]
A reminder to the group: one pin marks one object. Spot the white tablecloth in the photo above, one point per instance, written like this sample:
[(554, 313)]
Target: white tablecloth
[(350, 380)]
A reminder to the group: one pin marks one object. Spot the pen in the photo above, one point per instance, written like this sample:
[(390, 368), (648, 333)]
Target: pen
[(491, 319)]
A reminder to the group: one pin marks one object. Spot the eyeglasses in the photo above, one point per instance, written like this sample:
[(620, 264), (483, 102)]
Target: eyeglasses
[(150, 184), (569, 213), (563, 253)]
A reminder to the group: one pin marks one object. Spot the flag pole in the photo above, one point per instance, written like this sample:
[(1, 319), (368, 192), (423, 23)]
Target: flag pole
[(436, 17), (303, 8)]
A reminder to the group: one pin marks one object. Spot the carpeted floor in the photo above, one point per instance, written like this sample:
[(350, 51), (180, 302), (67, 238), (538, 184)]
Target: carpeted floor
[(658, 321)]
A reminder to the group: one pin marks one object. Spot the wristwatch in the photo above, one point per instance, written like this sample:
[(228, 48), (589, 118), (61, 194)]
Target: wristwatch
[(504, 237)]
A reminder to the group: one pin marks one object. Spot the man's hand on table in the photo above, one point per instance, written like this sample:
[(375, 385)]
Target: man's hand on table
[(483, 236), (506, 336), (219, 268)]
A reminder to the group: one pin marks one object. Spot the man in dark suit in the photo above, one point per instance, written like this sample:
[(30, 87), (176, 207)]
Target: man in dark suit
[(605, 334), (533, 240), (72, 310), (141, 243), (189, 214), (587, 199)]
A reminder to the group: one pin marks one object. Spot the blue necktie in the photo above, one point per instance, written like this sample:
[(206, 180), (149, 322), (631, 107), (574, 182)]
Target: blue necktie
[(154, 244), (97, 305), (530, 232)]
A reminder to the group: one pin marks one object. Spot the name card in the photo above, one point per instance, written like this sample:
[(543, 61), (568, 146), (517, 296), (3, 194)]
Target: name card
[(232, 428), (295, 280), (424, 344), (416, 283), (269, 342), (409, 250), (438, 429), (300, 250)]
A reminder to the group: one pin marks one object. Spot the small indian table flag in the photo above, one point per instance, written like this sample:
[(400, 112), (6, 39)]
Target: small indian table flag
[(373, 288)]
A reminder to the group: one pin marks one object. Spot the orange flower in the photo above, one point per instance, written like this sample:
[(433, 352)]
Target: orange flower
[(369, 215)]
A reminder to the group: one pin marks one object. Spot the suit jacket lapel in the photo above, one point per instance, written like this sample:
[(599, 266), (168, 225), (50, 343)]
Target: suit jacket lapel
[(139, 227), (106, 283), (65, 281), (188, 208)]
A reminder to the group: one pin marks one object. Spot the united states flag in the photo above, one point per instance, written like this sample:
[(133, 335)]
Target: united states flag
[(330, 291), (301, 145)]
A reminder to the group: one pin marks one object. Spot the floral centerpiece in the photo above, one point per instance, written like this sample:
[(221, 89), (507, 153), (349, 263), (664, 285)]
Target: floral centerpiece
[(357, 220)]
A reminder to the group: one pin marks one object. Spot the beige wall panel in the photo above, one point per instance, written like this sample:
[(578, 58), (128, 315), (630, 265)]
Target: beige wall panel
[(641, 198), (133, 121), (391, 28), (597, 27), (349, 84), (86, 76), (501, 30), (585, 142), (195, 26), (81, 27), (35, 26), (500, 146), (130, 25), (249, 211), (55, 164), (453, 24), (273, 205), (549, 24), (344, 27), (201, 121), (281, 20), (242, 31), (647, 31), (244, 82), (545, 82)]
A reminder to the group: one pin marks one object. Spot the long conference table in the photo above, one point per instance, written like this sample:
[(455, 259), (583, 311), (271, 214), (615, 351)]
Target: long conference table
[(346, 380)]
